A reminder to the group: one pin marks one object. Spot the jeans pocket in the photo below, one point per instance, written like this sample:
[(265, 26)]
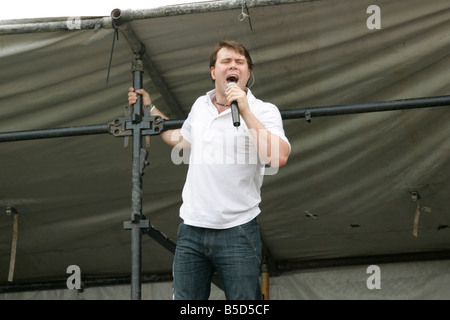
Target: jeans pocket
[(250, 234), (179, 228)]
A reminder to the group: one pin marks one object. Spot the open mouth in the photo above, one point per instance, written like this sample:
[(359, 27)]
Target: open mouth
[(232, 78)]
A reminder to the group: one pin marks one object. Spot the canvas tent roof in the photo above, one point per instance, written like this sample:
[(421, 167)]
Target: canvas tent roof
[(345, 195)]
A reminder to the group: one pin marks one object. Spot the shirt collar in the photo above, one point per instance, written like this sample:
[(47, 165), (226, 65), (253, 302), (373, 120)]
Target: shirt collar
[(212, 93)]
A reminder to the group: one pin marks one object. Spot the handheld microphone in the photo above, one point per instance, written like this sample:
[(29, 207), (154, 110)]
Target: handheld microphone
[(234, 110)]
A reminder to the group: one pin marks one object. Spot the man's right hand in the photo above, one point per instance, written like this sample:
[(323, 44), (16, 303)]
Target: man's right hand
[(171, 137), (132, 97)]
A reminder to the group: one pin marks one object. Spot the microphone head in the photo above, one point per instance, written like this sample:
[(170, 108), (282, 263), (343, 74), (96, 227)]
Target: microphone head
[(231, 84)]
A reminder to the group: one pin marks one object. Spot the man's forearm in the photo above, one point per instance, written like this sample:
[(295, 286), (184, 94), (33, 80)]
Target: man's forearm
[(172, 137), (271, 148)]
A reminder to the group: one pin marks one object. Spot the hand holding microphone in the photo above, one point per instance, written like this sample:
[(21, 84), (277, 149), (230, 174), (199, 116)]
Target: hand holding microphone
[(234, 110)]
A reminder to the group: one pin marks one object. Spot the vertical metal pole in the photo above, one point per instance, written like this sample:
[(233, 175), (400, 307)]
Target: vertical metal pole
[(136, 192), (137, 69), (265, 281)]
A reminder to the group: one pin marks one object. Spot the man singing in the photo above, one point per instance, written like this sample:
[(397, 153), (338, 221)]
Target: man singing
[(222, 192)]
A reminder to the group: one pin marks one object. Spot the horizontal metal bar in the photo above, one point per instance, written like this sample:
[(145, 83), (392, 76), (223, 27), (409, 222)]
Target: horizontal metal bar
[(128, 15), (122, 16), (283, 267), (286, 266), (86, 282), (53, 25), (173, 124), (414, 103), (53, 133)]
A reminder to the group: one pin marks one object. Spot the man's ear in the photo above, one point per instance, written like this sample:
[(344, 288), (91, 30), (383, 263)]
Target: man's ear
[(212, 72)]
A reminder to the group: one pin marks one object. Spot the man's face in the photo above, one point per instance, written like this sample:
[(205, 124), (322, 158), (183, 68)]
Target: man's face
[(230, 67)]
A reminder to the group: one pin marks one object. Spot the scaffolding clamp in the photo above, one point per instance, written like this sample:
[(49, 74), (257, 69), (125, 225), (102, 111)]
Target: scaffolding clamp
[(149, 125), (141, 222), (308, 116)]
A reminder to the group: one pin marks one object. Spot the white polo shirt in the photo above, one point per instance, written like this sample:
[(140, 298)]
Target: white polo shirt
[(225, 174)]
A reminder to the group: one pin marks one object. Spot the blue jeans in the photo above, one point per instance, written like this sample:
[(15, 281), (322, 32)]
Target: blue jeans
[(234, 253)]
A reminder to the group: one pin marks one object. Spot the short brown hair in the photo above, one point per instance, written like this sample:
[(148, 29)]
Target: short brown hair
[(233, 45)]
